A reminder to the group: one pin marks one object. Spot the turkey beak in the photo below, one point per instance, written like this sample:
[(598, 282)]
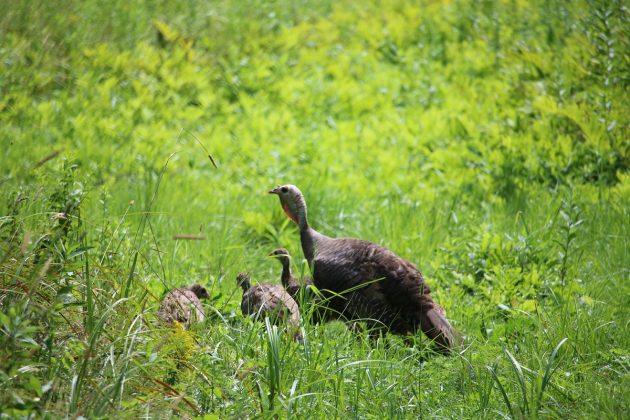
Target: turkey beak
[(274, 191)]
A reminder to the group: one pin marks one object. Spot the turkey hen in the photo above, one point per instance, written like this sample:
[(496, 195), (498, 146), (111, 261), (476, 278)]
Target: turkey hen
[(183, 305), (367, 281), (270, 300)]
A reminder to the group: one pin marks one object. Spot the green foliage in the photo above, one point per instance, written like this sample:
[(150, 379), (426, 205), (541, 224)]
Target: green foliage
[(487, 142)]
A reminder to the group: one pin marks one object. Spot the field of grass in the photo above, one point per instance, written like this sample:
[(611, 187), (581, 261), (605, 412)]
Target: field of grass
[(487, 142)]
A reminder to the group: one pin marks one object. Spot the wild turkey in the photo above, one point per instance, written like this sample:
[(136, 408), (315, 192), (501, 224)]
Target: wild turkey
[(377, 285), (289, 281), (270, 300), (320, 312), (183, 305)]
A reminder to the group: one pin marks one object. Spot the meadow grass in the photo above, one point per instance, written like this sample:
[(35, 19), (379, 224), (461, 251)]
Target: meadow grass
[(487, 142)]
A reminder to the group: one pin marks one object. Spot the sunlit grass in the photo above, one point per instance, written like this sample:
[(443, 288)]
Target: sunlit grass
[(485, 142)]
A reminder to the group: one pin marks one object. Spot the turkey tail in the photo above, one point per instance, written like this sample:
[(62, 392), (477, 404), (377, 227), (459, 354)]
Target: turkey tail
[(435, 325)]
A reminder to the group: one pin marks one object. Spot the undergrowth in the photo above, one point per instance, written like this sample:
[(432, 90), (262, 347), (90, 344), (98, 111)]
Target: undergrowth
[(487, 142)]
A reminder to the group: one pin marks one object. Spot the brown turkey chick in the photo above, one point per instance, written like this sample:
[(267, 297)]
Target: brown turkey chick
[(269, 300), (183, 305), (320, 311)]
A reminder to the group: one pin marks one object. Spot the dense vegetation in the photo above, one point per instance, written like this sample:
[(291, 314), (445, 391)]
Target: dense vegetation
[(488, 142)]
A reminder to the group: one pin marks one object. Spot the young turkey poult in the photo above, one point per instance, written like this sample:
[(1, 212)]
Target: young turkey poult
[(269, 300), (290, 283), (320, 312), (183, 305), (377, 285)]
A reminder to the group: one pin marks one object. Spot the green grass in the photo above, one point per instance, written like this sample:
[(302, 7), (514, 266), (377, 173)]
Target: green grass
[(487, 142)]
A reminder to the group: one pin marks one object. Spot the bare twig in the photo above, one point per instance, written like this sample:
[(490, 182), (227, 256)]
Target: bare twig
[(46, 158), (188, 237)]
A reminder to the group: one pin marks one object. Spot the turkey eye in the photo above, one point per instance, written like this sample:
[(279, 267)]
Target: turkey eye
[(284, 189)]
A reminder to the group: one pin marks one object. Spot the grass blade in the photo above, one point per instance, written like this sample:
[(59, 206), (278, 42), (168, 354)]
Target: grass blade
[(520, 376), (549, 371), (493, 372), (78, 381)]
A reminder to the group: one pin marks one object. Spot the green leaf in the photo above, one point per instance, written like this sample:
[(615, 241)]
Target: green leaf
[(34, 385)]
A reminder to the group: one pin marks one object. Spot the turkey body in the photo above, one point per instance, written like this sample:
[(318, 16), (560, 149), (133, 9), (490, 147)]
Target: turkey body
[(272, 301), (183, 305), (375, 285)]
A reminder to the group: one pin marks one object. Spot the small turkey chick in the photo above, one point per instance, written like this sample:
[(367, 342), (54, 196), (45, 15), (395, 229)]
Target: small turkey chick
[(293, 287), (290, 282), (269, 300), (183, 305)]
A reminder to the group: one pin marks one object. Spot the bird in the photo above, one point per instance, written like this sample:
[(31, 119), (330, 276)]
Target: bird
[(320, 312), (269, 300), (183, 305), (366, 281), (290, 283)]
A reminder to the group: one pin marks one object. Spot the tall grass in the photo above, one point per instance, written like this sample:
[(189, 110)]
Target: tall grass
[(486, 142)]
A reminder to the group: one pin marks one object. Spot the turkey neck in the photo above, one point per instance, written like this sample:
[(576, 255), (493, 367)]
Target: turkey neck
[(245, 285), (306, 232), (311, 239), (286, 274), (302, 219)]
